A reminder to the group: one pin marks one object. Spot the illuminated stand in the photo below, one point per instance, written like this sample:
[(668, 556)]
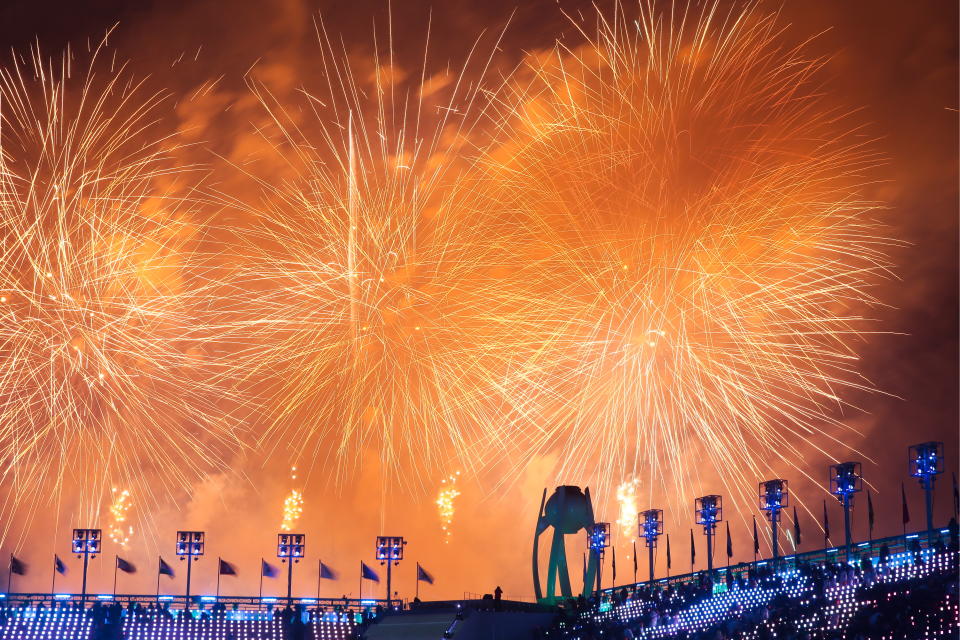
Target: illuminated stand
[(846, 480), (190, 546), (86, 543), (774, 496), (390, 552), (290, 548), (926, 463), (599, 537), (709, 511), (651, 527), (568, 510)]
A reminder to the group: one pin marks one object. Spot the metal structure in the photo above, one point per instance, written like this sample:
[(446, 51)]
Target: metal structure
[(568, 511), (86, 543), (651, 528), (926, 463), (774, 496), (390, 552), (190, 545), (290, 548), (599, 542), (709, 511), (846, 480)]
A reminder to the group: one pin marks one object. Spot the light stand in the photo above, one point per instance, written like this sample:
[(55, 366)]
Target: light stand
[(846, 480), (598, 537), (86, 543), (774, 496), (390, 552), (190, 546), (651, 527), (709, 511), (290, 548), (926, 463)]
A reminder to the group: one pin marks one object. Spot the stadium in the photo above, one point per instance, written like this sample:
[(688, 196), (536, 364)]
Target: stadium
[(540, 320)]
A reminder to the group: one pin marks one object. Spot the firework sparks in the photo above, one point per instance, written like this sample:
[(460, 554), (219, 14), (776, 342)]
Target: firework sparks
[(101, 355), (700, 220), (120, 531), (292, 506), (627, 499), (445, 507)]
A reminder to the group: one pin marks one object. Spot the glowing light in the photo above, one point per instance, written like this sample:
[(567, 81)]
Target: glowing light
[(292, 506), (445, 503), (627, 500), (119, 531)]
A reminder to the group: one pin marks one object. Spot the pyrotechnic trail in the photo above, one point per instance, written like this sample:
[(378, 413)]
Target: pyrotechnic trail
[(103, 373), (369, 307), (120, 530), (445, 503), (628, 514), (292, 506), (701, 250)]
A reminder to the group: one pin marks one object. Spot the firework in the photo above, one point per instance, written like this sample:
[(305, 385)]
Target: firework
[(627, 501), (120, 530), (445, 508), (701, 252), (103, 367), (369, 300), (292, 506)]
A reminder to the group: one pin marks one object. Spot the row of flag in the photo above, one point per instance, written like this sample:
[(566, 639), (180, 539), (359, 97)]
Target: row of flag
[(224, 568), (905, 516)]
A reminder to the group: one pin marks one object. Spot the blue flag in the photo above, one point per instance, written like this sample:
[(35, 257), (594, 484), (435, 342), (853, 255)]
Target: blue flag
[(226, 569), (58, 564), (368, 573), (17, 566), (268, 569), (327, 573), (125, 566), (423, 576), (165, 569)]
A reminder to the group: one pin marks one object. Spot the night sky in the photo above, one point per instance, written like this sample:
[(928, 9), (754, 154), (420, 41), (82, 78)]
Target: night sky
[(894, 62)]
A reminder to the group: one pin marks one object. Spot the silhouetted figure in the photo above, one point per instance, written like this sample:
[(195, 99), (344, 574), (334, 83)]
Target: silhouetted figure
[(497, 598)]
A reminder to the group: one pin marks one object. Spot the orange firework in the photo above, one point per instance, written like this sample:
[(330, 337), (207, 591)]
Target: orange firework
[(699, 218), (103, 373)]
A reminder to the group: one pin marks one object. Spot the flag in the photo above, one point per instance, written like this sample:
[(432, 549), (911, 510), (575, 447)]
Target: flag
[(17, 566), (125, 566), (165, 569), (226, 569), (668, 552), (906, 510), (796, 528), (826, 525), (59, 566), (584, 568), (423, 576), (956, 496), (729, 542), (326, 573), (634, 557), (268, 570), (756, 538), (368, 574), (870, 512), (613, 560), (693, 550)]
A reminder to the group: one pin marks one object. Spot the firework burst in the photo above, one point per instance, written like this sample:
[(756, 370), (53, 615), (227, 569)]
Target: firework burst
[(445, 503), (102, 369), (701, 245)]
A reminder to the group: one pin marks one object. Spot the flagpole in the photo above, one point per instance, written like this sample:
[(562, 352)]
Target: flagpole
[(53, 578), (116, 563), (218, 577), (417, 588), (319, 574), (10, 574), (261, 578), (159, 560), (361, 581)]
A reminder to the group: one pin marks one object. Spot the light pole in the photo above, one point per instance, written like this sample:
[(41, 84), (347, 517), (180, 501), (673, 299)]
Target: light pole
[(390, 552), (709, 511), (651, 527), (599, 539), (86, 543), (290, 548), (846, 480), (926, 463), (190, 546), (774, 496)]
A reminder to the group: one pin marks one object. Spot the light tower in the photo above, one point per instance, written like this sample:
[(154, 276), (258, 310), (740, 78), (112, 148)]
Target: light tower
[(846, 480), (709, 511), (189, 546), (86, 543), (774, 496), (651, 527), (598, 537), (290, 548), (926, 463), (390, 552)]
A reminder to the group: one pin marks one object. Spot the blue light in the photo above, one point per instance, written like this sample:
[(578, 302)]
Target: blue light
[(268, 599), (104, 596), (761, 564), (165, 598), (308, 600), (912, 536), (944, 530), (832, 550), (63, 596), (863, 544), (368, 602), (208, 599)]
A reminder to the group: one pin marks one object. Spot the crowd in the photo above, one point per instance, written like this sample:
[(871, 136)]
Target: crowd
[(912, 595)]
